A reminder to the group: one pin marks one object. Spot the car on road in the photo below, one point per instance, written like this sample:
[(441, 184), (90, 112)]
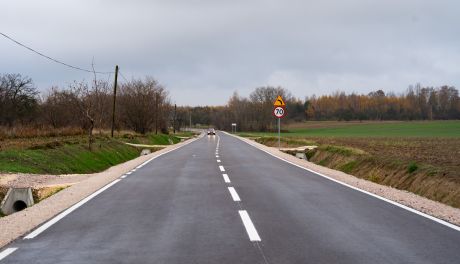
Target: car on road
[(211, 132)]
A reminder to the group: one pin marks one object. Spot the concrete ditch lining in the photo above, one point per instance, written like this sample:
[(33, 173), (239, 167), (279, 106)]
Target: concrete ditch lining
[(18, 224)]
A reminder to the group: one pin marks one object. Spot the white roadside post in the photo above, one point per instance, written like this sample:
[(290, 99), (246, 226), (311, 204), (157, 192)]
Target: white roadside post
[(234, 126), (279, 112)]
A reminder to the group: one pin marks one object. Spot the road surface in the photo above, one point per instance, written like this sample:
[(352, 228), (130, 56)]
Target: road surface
[(232, 203)]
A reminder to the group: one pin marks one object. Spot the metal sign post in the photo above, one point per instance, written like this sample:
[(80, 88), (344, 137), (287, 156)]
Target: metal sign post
[(279, 133)]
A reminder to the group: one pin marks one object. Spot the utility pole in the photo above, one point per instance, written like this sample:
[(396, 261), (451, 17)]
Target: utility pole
[(190, 120), (174, 120), (114, 98), (156, 113)]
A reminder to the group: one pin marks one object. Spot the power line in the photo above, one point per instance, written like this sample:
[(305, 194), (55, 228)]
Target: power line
[(123, 76), (52, 59)]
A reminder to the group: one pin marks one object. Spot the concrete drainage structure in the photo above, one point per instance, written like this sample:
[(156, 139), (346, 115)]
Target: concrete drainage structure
[(145, 152), (301, 155), (16, 199)]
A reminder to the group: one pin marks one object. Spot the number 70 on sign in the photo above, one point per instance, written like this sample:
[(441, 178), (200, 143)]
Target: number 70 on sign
[(279, 112)]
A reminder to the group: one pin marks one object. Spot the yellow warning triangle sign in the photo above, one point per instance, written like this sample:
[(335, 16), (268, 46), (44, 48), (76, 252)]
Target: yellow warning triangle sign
[(279, 101)]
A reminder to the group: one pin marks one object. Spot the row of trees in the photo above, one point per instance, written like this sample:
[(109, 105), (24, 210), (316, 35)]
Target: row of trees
[(142, 105), (254, 113), (418, 103)]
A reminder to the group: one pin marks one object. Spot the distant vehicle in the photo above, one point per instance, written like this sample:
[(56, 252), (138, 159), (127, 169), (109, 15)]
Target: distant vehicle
[(211, 132)]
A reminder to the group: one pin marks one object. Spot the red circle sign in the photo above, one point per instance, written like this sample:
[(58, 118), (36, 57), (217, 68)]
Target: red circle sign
[(279, 111)]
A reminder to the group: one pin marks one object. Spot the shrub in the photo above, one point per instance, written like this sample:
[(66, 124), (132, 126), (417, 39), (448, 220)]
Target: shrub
[(310, 153), (412, 167)]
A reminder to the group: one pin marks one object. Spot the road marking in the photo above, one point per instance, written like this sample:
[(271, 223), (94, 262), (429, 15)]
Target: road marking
[(6, 252), (234, 194), (124, 176), (68, 211), (54, 220), (250, 229), (439, 221), (217, 156), (221, 168), (218, 160), (226, 178)]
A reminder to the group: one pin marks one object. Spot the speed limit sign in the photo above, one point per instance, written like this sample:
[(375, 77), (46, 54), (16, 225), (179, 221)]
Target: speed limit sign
[(279, 111)]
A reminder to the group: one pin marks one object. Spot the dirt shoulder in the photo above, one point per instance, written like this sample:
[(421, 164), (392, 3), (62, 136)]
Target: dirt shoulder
[(430, 207), (20, 223)]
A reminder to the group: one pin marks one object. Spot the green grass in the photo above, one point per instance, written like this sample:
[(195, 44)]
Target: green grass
[(448, 129), (349, 166), (155, 139), (412, 167), (67, 158)]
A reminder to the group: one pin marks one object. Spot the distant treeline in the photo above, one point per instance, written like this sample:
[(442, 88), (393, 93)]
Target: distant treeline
[(142, 105), (254, 113), (418, 103)]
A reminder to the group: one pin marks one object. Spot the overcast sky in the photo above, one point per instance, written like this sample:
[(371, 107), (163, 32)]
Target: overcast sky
[(204, 50)]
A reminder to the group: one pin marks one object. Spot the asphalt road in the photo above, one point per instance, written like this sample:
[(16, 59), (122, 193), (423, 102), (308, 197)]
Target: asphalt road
[(181, 208)]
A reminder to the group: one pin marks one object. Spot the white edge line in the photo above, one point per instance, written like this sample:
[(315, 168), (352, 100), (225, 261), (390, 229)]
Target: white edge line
[(234, 194), (123, 176), (440, 221), (7, 252), (54, 220), (226, 178), (250, 229), (221, 168), (51, 222)]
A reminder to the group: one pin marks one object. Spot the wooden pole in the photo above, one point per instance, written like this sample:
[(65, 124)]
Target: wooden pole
[(174, 120), (114, 99)]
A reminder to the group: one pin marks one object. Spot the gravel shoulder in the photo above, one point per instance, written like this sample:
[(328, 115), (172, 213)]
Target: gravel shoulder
[(427, 206), (18, 224)]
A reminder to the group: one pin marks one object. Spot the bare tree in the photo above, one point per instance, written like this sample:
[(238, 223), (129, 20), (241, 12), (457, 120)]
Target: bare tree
[(144, 105), (18, 99), (83, 95)]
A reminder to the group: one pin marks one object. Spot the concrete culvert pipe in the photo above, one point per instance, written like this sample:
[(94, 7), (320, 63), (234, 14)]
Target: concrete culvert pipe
[(19, 205), (16, 199)]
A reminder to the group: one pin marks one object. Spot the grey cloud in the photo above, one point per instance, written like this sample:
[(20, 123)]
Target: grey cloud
[(208, 49)]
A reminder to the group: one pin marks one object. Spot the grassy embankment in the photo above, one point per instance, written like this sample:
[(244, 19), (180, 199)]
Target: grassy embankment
[(420, 157), (70, 154), (66, 151)]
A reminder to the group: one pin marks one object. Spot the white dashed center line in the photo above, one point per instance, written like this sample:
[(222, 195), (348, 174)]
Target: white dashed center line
[(234, 194), (218, 160), (226, 178), (6, 252), (221, 168), (250, 228)]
